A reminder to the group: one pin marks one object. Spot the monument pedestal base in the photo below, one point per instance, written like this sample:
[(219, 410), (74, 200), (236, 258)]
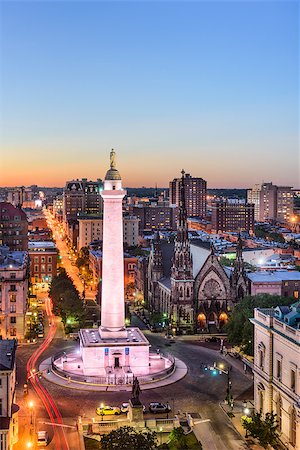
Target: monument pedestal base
[(135, 411)]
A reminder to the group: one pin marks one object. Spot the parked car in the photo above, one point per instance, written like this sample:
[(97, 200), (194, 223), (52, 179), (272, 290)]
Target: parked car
[(125, 407), (108, 410), (156, 407)]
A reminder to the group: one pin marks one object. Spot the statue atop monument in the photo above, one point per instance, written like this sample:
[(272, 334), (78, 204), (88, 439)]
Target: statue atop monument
[(112, 159)]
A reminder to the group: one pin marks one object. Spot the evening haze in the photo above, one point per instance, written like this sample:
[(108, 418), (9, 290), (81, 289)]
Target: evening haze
[(211, 87)]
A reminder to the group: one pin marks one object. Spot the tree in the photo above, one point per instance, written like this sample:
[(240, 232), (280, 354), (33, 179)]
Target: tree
[(265, 431), (127, 438), (239, 328), (66, 300)]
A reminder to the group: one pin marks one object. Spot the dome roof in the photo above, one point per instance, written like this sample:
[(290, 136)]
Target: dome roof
[(112, 174)]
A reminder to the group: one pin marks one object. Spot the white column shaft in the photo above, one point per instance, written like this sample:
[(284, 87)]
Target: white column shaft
[(112, 302)]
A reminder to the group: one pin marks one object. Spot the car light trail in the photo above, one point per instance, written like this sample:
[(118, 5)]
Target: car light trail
[(48, 402)]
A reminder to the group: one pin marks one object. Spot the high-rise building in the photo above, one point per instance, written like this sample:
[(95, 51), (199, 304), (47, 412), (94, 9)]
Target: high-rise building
[(276, 368), (285, 203), (8, 408), (253, 196), (195, 194), (13, 227), (232, 215), (155, 217), (14, 274), (271, 202), (81, 196)]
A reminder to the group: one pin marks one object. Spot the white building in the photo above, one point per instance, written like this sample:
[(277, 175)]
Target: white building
[(277, 368), (91, 229), (253, 196), (8, 408), (14, 273)]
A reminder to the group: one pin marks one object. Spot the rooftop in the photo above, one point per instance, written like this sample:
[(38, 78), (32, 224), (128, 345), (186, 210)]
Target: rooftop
[(273, 277), (12, 260), (40, 245), (91, 338), (7, 354)]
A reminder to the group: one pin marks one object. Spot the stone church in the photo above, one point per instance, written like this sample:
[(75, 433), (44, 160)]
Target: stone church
[(187, 283)]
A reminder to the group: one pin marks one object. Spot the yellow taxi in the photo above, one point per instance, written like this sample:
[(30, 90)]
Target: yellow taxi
[(108, 410)]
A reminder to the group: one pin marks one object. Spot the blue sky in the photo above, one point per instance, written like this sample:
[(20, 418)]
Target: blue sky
[(208, 86)]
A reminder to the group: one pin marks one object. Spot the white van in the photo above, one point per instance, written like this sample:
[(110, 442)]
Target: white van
[(42, 438)]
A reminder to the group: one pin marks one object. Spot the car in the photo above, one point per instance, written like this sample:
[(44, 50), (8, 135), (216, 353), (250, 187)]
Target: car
[(156, 407), (42, 438), (125, 407), (108, 410)]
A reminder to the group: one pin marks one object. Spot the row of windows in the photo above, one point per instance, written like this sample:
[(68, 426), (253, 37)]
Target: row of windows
[(43, 269), (42, 259)]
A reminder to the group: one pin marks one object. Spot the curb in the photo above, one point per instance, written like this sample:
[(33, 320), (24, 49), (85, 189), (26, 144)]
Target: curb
[(112, 388), (230, 421)]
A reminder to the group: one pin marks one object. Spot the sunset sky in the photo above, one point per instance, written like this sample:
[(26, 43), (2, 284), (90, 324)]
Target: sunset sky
[(211, 87)]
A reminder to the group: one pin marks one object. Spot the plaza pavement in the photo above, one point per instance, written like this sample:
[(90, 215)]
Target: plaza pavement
[(179, 373)]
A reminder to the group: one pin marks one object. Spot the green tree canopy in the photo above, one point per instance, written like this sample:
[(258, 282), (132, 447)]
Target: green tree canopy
[(127, 438), (66, 299), (239, 328), (265, 431)]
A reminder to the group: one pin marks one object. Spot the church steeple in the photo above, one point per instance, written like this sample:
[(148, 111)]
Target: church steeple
[(182, 260), (239, 262)]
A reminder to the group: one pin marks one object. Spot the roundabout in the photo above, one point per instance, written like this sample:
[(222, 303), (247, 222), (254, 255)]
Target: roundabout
[(55, 370)]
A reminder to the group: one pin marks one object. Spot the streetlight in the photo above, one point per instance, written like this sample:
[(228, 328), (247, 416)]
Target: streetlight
[(161, 430)]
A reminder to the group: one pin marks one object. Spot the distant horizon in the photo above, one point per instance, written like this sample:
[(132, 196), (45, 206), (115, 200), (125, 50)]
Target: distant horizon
[(148, 187)]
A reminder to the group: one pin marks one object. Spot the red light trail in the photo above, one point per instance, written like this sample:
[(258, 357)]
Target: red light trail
[(48, 401)]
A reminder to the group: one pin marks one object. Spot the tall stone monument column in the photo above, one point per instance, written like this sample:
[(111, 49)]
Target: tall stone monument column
[(112, 300)]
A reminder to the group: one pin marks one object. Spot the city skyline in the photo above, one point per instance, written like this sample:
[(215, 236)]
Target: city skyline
[(211, 88)]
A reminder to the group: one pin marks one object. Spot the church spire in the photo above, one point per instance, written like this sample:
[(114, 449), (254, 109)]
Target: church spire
[(239, 262), (182, 260), (182, 206)]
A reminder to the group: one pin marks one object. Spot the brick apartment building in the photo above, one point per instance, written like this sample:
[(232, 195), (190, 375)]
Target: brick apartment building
[(13, 227), (232, 216), (43, 261)]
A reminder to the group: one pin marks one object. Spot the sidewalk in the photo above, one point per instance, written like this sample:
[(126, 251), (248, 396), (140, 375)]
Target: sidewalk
[(179, 373), (235, 416)]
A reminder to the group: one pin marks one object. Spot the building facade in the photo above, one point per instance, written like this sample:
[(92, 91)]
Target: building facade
[(232, 216), (155, 217), (8, 407), (90, 228), (277, 368), (43, 261), (82, 196), (271, 202), (14, 275), (195, 191), (285, 283), (13, 227)]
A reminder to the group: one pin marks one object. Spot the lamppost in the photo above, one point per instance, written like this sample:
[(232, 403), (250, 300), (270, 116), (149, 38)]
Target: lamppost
[(160, 430), (102, 414), (31, 406)]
